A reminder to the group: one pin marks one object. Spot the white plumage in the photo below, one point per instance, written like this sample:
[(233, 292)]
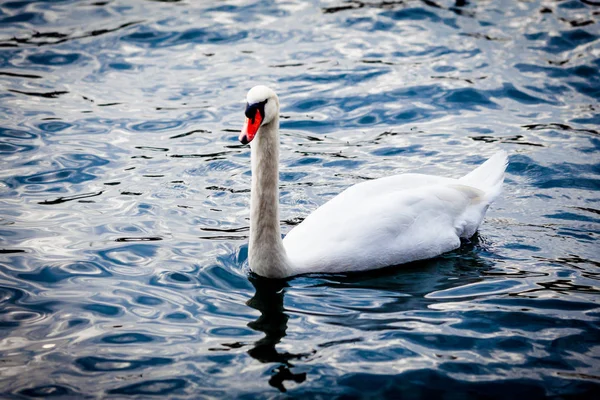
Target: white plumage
[(393, 220), (373, 224)]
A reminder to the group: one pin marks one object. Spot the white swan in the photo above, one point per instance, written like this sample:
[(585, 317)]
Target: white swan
[(373, 224)]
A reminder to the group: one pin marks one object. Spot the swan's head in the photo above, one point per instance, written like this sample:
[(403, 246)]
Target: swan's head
[(262, 106)]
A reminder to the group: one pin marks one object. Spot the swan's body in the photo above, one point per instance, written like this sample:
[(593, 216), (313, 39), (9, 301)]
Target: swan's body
[(377, 223)]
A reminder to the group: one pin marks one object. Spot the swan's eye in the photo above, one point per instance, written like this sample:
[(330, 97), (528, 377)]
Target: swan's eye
[(252, 109)]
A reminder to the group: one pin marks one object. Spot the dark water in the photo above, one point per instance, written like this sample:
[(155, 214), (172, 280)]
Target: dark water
[(124, 198)]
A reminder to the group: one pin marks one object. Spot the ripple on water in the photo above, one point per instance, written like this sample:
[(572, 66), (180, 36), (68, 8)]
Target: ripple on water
[(156, 126), (128, 338), (56, 274), (95, 364), (54, 126), (15, 141), (485, 288), (52, 58), (155, 387), (129, 259), (48, 391), (124, 198)]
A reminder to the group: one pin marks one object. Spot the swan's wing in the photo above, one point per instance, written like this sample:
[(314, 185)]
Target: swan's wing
[(396, 183), (360, 230)]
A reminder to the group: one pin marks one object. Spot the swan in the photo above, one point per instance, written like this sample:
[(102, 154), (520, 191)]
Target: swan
[(373, 224)]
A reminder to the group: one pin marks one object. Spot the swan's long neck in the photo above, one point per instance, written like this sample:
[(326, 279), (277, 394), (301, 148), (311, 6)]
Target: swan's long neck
[(266, 253)]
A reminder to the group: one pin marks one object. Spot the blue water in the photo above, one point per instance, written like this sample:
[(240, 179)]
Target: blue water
[(124, 198)]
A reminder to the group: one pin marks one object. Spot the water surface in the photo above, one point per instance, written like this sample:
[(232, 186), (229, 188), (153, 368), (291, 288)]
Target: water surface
[(124, 198)]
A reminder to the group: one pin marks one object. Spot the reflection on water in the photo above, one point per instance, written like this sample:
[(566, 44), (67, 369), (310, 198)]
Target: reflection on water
[(124, 197), (268, 299)]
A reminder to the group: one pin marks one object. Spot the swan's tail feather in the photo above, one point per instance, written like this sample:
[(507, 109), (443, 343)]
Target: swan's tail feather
[(489, 176)]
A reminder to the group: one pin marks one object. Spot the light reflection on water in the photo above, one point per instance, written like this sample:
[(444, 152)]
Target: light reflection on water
[(124, 197)]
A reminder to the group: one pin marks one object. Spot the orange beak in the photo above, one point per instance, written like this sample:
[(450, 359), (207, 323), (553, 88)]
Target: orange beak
[(250, 128)]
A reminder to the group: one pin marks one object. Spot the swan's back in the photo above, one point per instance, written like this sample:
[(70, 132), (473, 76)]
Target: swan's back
[(394, 220)]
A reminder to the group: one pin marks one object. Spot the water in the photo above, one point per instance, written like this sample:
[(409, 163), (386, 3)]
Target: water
[(124, 198)]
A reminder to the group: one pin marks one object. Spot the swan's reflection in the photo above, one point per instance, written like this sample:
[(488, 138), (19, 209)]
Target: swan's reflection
[(417, 279), (268, 299)]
